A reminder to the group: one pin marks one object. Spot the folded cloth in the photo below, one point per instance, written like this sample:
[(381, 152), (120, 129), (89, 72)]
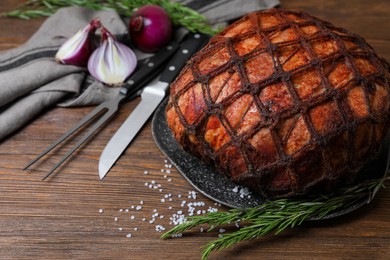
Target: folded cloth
[(31, 80)]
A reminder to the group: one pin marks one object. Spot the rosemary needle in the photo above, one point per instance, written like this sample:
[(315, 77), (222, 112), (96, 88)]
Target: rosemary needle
[(275, 215), (179, 14)]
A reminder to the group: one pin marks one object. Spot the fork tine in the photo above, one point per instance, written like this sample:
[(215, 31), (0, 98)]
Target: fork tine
[(83, 121), (101, 121)]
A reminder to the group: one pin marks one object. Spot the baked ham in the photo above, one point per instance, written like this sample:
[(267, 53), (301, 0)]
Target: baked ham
[(283, 102)]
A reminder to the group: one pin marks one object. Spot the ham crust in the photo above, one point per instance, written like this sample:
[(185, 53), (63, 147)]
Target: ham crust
[(283, 102)]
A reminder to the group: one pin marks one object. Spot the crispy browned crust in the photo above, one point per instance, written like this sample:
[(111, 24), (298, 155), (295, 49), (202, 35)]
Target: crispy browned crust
[(283, 102)]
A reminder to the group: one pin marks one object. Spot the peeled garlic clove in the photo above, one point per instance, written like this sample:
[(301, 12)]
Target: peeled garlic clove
[(77, 49), (112, 62)]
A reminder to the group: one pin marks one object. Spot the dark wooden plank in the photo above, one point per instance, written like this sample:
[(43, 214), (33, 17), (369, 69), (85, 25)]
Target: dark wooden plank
[(60, 218)]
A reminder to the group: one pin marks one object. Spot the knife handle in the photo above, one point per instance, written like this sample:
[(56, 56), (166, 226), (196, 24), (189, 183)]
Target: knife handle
[(149, 69), (192, 43)]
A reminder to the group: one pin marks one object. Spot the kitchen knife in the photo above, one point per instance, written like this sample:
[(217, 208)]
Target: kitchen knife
[(151, 97)]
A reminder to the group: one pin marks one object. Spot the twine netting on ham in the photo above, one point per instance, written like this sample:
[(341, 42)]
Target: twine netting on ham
[(283, 102)]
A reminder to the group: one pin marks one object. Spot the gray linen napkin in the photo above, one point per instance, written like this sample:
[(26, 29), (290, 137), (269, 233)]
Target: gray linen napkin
[(31, 80)]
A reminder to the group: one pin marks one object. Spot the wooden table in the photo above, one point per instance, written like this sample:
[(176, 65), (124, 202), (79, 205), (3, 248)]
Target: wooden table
[(75, 215)]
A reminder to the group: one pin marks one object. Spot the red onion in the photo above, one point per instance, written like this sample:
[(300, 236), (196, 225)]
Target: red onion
[(112, 62), (77, 49), (150, 28)]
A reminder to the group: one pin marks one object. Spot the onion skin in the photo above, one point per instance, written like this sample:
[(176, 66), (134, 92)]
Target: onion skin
[(150, 28)]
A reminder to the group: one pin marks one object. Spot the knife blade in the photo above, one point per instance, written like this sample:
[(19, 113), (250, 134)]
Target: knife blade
[(151, 97)]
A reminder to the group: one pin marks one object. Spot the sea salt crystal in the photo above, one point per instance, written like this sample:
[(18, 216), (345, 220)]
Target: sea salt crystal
[(132, 217), (128, 235), (169, 179), (138, 208), (101, 210), (221, 230), (160, 228), (141, 202), (146, 172), (120, 229), (162, 200), (115, 219)]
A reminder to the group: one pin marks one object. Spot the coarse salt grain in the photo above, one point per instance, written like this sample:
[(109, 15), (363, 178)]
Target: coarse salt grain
[(120, 229), (101, 210), (138, 208), (128, 235), (160, 228)]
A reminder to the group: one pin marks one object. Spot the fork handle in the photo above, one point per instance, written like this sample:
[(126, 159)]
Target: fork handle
[(148, 69)]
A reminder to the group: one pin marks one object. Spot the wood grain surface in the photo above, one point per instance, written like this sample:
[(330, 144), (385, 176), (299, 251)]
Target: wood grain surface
[(75, 215)]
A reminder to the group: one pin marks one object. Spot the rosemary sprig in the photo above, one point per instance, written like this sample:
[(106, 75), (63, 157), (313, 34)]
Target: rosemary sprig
[(275, 215), (180, 15)]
